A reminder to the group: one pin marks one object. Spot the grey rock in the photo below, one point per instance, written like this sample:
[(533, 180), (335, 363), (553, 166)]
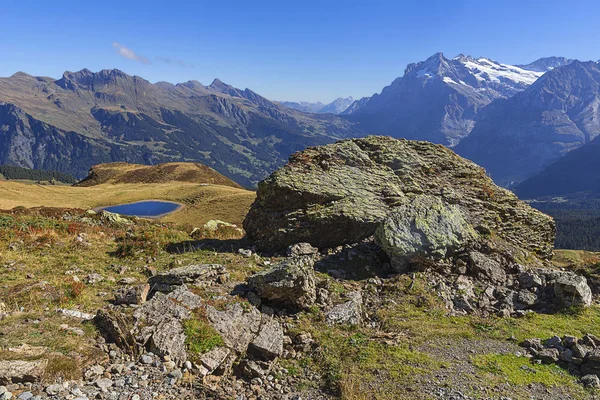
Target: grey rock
[(160, 323), (340, 193), (426, 228), (25, 396), (190, 274), (548, 356), (94, 278), (236, 324), (554, 341), (146, 359), (486, 267), (213, 359), (132, 295), (301, 249), (54, 389), (103, 384), (566, 355), (571, 289), (291, 282), (591, 381)]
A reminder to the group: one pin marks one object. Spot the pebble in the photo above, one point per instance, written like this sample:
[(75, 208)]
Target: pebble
[(25, 396)]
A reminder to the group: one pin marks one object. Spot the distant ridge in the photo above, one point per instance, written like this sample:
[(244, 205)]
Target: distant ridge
[(120, 172)]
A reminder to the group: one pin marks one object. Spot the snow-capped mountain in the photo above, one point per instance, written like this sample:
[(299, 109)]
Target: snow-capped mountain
[(337, 106), (518, 137), (547, 64), (438, 99)]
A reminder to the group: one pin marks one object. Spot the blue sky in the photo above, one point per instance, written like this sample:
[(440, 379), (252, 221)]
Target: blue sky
[(286, 50)]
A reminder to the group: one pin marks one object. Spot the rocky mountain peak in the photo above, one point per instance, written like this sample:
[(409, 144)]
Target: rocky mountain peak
[(546, 64)]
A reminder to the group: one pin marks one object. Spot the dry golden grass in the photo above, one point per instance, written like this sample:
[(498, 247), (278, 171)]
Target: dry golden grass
[(201, 203)]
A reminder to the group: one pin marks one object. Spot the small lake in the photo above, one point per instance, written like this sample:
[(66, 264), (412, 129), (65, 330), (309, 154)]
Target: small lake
[(145, 209)]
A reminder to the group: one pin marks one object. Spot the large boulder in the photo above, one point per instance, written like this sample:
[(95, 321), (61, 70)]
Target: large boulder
[(425, 228), (341, 193), (290, 283)]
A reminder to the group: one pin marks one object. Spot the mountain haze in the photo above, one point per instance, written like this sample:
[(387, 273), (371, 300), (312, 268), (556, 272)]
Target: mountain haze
[(338, 106)]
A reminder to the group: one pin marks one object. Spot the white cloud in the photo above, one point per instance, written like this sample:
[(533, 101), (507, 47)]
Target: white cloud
[(129, 54)]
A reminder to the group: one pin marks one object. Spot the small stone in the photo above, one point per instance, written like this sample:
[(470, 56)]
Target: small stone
[(146, 359), (103, 384), (53, 390), (188, 365), (245, 252), (25, 396), (175, 374), (94, 278)]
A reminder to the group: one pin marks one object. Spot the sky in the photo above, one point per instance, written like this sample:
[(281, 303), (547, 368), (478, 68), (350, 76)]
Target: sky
[(286, 50)]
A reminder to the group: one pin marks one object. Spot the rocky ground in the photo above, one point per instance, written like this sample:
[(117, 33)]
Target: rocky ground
[(433, 299)]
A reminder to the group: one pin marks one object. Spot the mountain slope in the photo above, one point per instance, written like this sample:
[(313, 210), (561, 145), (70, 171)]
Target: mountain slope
[(575, 172), (515, 138), (88, 118), (437, 99), (338, 106)]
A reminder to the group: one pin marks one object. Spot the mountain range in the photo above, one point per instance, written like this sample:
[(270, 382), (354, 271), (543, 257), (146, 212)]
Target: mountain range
[(338, 106), (513, 120), (517, 137), (86, 118), (438, 99)]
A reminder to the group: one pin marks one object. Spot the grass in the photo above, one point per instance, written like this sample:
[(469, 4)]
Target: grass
[(201, 337), (519, 371), (201, 203)]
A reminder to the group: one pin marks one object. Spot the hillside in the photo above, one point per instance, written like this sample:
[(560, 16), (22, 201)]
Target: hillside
[(87, 118), (575, 172), (119, 173)]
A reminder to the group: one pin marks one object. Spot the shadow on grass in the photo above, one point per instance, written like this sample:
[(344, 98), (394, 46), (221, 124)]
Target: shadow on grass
[(218, 245)]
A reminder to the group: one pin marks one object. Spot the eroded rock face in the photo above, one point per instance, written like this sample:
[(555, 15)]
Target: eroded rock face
[(291, 282), (341, 193)]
